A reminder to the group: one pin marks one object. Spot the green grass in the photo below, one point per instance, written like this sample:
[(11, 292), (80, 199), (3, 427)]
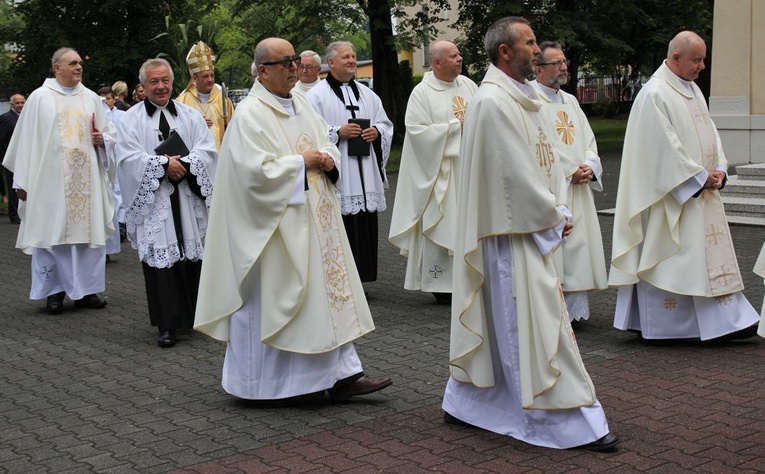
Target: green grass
[(609, 133)]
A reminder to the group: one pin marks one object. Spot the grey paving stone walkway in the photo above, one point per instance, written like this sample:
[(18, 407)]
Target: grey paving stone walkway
[(89, 391)]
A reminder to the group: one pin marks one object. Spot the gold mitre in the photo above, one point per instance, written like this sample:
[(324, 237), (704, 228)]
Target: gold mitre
[(200, 58)]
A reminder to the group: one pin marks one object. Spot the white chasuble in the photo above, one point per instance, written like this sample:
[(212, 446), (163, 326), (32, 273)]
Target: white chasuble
[(311, 298), (423, 224), (328, 256), (584, 266), (672, 256), (722, 265), (66, 178), (504, 190)]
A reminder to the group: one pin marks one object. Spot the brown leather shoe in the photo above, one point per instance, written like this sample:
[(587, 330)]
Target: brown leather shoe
[(362, 386)]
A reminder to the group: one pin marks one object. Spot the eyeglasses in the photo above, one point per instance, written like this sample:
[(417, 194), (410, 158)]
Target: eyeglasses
[(557, 63), (307, 67), (285, 63)]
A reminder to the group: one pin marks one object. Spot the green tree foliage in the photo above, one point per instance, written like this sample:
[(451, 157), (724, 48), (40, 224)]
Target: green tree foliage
[(603, 34), (113, 37), (183, 36)]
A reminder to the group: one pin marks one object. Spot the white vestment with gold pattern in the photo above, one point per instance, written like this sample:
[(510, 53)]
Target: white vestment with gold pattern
[(278, 282), (515, 365), (212, 109), (424, 220), (583, 260), (68, 202), (673, 258)]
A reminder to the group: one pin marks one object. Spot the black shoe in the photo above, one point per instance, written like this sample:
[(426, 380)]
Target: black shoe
[(55, 303), (745, 333), (443, 298), (15, 220), (166, 338), (603, 444), (91, 302), (450, 419)]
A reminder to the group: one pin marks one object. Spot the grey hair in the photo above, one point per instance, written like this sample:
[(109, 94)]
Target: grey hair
[(682, 42), (151, 63), (60, 52), (544, 45), (333, 47), (253, 68), (499, 33), (312, 54)]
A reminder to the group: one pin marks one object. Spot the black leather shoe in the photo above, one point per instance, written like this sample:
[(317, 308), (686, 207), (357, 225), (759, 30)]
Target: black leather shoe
[(362, 386), (166, 338), (450, 419), (55, 303), (15, 220), (603, 444), (91, 302)]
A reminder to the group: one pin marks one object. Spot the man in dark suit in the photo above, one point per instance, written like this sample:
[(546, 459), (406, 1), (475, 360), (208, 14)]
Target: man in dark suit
[(7, 124)]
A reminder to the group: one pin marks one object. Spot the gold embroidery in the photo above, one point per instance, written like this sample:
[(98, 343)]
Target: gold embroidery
[(701, 114), (722, 276), (670, 303), (565, 128), (459, 107), (545, 155), (724, 300), (714, 233)]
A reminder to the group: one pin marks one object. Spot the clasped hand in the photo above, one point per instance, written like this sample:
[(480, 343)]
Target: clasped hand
[(353, 130), (315, 159)]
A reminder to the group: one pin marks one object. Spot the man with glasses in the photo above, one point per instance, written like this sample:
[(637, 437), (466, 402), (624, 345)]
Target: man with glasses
[(278, 283), (356, 117), (673, 257), (308, 72), (61, 155), (515, 365), (583, 261), (424, 224), (204, 94)]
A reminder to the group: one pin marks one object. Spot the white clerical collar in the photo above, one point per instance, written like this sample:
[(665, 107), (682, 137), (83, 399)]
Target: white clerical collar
[(445, 84), (524, 87), (67, 90), (552, 94), (203, 97), (285, 102), (309, 85), (688, 85)]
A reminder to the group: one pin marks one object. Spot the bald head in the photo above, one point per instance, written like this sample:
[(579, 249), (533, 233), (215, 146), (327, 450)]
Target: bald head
[(271, 72), (682, 43), (445, 60), (17, 102), (686, 54)]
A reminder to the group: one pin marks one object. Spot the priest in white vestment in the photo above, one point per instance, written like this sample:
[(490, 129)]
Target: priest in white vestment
[(113, 243), (582, 257), (673, 258), (60, 153), (308, 73), (278, 283), (515, 365), (423, 224), (340, 99), (166, 197)]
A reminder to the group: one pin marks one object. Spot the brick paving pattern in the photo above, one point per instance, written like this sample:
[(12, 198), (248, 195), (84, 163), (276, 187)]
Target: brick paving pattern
[(89, 391)]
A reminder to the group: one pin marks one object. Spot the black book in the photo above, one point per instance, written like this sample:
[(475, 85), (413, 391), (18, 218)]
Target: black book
[(357, 146), (174, 145)]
